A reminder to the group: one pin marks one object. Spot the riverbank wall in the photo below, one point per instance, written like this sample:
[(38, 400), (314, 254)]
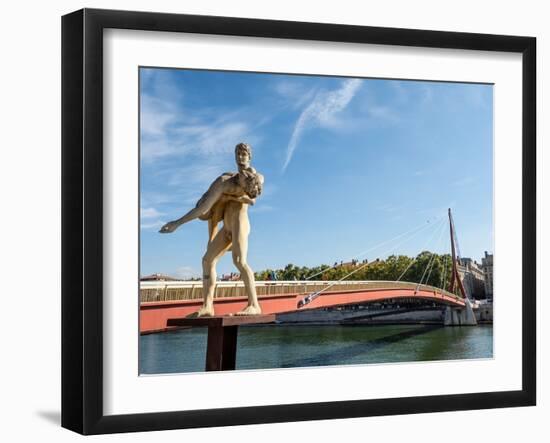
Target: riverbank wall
[(483, 314)]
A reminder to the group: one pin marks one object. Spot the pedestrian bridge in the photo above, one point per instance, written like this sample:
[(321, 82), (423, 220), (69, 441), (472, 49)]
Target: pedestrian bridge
[(160, 301)]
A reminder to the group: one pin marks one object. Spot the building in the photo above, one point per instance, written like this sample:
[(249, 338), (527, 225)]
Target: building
[(487, 266), (233, 276), (157, 277), (473, 278)]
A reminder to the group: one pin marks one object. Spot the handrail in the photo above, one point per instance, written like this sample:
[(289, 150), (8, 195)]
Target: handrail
[(186, 290), (190, 283)]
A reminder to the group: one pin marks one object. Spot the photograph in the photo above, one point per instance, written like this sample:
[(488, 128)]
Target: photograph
[(278, 220), (303, 220)]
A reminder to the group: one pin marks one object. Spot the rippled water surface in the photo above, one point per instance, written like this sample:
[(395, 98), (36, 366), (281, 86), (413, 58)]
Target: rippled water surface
[(285, 346)]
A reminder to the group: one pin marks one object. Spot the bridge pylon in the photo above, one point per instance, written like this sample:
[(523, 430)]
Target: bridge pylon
[(458, 316)]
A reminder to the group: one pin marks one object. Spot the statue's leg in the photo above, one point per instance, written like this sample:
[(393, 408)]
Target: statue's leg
[(204, 206), (240, 251), (213, 229), (216, 248)]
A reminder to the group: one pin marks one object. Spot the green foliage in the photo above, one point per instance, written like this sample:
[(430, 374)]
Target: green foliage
[(427, 267)]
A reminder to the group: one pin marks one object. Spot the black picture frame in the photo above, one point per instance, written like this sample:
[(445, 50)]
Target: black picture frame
[(82, 218)]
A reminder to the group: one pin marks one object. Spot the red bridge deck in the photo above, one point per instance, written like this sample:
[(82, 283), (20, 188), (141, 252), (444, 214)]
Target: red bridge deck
[(154, 315)]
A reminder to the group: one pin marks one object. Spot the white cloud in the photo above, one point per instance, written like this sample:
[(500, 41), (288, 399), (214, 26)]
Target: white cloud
[(150, 218), (156, 115), (384, 113), (169, 128), (215, 138), (194, 155), (156, 224), (187, 272), (287, 88), (259, 208), (294, 93), (152, 198), (198, 175), (201, 139), (321, 111), (150, 213)]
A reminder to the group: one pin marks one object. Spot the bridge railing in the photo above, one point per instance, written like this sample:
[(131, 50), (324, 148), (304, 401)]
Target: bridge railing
[(191, 290)]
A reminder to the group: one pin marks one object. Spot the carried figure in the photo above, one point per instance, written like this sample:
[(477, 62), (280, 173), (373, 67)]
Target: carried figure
[(227, 200)]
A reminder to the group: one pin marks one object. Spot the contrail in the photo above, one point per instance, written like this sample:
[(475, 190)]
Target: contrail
[(324, 106)]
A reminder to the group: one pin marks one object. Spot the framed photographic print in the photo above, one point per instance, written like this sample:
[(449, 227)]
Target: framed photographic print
[(269, 221)]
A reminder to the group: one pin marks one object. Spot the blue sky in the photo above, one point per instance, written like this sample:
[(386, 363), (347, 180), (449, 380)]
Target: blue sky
[(348, 163)]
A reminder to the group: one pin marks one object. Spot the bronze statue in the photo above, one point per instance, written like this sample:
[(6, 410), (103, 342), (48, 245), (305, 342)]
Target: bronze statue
[(227, 201)]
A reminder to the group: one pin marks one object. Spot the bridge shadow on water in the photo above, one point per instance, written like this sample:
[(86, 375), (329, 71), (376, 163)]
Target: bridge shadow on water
[(346, 353)]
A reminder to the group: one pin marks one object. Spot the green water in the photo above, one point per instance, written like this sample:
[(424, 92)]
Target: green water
[(284, 346)]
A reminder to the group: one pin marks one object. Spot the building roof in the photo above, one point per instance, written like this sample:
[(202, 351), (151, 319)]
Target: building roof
[(157, 277)]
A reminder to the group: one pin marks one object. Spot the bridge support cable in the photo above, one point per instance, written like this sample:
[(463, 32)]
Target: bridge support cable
[(431, 261), (418, 228), (444, 275), (309, 298), (423, 248)]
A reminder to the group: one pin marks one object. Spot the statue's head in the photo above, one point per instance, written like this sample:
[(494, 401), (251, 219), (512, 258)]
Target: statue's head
[(243, 155), (252, 183)]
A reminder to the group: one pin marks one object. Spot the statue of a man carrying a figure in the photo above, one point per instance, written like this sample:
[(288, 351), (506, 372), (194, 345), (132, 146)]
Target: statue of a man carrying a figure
[(227, 201)]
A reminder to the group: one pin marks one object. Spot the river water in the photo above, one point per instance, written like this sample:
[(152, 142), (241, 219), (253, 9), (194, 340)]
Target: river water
[(288, 346)]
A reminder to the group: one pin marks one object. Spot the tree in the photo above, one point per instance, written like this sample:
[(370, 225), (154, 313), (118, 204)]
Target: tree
[(427, 268)]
